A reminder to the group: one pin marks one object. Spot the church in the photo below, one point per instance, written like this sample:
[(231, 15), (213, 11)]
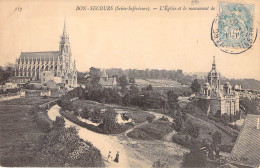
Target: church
[(48, 66), (217, 97)]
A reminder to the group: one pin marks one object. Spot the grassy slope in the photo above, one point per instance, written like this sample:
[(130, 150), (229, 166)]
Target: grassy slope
[(207, 129), (155, 130), (18, 131)]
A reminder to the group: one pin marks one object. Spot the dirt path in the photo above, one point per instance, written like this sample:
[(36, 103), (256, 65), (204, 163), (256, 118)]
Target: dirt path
[(104, 143), (132, 153)]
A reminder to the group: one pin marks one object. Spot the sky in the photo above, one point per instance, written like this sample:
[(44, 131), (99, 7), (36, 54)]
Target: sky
[(124, 39)]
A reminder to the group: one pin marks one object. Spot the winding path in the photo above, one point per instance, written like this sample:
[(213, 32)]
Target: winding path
[(104, 143)]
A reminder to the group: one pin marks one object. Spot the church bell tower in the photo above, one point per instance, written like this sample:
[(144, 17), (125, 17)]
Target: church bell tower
[(65, 50)]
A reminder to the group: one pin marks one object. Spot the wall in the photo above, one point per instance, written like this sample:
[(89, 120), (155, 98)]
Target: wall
[(9, 97)]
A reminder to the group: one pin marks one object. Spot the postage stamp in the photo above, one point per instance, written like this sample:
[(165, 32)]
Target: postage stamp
[(233, 30)]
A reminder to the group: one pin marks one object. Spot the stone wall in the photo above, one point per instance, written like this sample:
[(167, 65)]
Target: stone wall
[(9, 97)]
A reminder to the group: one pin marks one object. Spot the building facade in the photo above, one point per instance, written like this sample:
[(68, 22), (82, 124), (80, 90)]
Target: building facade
[(106, 81), (217, 97), (54, 64)]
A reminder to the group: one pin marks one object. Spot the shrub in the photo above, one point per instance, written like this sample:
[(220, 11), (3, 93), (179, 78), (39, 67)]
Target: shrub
[(160, 164), (86, 113), (59, 122), (63, 147), (192, 129), (150, 118), (216, 137)]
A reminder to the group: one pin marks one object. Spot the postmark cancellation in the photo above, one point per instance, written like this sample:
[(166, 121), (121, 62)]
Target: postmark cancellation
[(233, 29)]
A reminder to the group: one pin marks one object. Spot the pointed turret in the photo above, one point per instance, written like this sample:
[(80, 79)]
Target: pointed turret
[(65, 28), (214, 64)]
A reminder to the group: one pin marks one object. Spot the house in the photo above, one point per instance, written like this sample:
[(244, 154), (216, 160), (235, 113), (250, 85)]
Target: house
[(45, 93), (246, 152), (106, 81)]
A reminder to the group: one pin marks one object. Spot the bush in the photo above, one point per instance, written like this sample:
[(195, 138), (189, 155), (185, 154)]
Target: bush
[(59, 122), (150, 118), (63, 147), (160, 164), (195, 159)]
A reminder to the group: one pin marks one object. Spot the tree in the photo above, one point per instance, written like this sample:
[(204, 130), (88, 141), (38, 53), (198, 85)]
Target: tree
[(218, 114), (95, 76), (59, 122), (216, 138), (192, 129), (172, 101), (195, 86), (134, 90), (149, 88), (109, 120), (85, 113), (123, 83), (126, 99), (132, 80), (178, 123), (184, 115), (195, 158), (150, 118)]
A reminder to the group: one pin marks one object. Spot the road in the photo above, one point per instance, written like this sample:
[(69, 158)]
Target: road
[(122, 143)]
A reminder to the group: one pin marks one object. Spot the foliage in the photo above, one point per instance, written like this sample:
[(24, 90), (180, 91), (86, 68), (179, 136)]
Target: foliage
[(160, 164), (123, 82), (6, 73), (109, 121), (94, 76), (216, 137), (63, 147), (150, 118), (132, 80), (172, 101), (155, 130), (195, 158), (59, 122), (192, 129), (195, 86), (252, 106), (178, 123)]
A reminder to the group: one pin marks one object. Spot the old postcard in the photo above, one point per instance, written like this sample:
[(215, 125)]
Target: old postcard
[(130, 83)]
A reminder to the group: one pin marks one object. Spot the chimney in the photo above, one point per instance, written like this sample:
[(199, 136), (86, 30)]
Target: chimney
[(257, 125)]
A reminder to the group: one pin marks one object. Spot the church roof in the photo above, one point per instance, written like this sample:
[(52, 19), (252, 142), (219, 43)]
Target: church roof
[(247, 149), (42, 55)]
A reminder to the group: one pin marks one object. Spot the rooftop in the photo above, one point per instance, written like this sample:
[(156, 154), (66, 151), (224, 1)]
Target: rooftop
[(246, 151), (38, 55)]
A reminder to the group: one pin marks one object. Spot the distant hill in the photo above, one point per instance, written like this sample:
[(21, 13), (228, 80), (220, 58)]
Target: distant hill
[(245, 83), (200, 75), (179, 76)]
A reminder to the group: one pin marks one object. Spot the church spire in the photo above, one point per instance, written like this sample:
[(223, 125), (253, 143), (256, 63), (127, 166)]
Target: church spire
[(214, 64), (65, 28)]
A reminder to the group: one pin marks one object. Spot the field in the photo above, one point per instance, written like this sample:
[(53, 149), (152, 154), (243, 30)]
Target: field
[(19, 131), (157, 82)]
